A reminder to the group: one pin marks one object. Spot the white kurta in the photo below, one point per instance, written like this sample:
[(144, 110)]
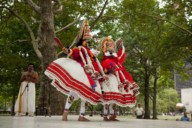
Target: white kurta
[(25, 102)]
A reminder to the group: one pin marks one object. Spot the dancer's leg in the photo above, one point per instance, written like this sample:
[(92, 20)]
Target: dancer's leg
[(70, 99), (105, 112), (112, 108), (82, 112)]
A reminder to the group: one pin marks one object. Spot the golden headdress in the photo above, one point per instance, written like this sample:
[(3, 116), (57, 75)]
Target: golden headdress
[(86, 32), (105, 43)]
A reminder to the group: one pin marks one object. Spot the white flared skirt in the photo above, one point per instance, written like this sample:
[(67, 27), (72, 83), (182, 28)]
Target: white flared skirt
[(69, 76), (113, 94)]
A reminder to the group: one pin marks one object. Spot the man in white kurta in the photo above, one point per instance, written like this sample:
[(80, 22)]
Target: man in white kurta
[(25, 103), (139, 112)]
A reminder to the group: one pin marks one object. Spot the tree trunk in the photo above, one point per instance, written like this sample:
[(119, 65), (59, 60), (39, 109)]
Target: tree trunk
[(13, 105), (146, 98), (5, 106), (155, 97), (49, 97), (56, 101)]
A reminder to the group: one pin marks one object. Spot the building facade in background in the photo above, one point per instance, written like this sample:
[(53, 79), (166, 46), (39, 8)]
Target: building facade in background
[(182, 84)]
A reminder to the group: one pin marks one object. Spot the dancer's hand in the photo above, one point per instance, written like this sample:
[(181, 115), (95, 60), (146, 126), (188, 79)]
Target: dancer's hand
[(119, 43), (105, 77), (87, 67), (97, 74), (126, 82), (65, 50)]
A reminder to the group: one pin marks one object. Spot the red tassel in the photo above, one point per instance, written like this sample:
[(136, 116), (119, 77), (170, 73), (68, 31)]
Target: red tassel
[(58, 42)]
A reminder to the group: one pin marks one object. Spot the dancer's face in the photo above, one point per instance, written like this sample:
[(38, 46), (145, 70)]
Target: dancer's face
[(86, 43), (109, 46)]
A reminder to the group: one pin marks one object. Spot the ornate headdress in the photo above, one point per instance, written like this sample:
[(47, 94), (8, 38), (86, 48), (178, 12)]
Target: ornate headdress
[(105, 43), (86, 31)]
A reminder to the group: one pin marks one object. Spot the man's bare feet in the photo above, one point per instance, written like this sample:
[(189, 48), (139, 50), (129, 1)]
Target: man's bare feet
[(113, 118), (65, 114), (105, 118), (82, 118)]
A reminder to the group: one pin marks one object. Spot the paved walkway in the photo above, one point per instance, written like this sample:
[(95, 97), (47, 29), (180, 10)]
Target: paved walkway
[(96, 122)]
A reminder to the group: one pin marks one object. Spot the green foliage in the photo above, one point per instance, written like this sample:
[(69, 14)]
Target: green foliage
[(16, 50), (5, 103), (154, 44), (167, 100), (76, 106)]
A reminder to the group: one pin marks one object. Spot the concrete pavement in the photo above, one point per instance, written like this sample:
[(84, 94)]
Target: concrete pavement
[(96, 122)]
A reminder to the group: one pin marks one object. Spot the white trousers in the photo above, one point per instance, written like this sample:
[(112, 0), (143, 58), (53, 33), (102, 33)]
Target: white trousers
[(108, 109), (69, 103)]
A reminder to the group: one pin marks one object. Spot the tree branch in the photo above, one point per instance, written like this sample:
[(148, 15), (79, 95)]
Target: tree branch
[(159, 18), (74, 41), (34, 6), (99, 16), (57, 7), (154, 17), (33, 40), (114, 17), (69, 25), (20, 40), (151, 97)]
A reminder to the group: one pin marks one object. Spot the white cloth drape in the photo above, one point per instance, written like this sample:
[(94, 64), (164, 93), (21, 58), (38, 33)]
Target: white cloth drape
[(26, 99)]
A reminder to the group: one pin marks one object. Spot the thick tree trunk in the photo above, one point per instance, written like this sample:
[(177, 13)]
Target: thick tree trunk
[(146, 99), (49, 97), (155, 97), (44, 94), (56, 101)]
